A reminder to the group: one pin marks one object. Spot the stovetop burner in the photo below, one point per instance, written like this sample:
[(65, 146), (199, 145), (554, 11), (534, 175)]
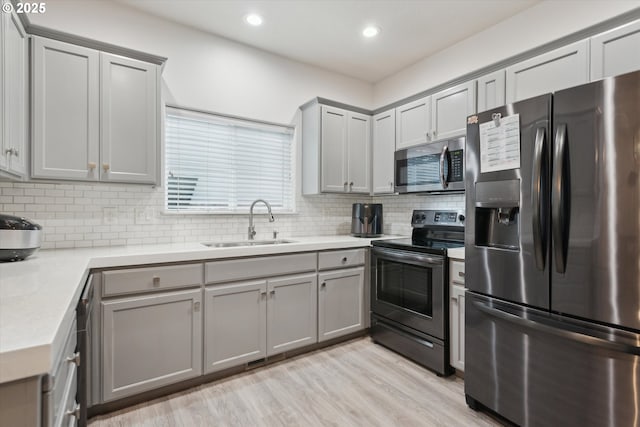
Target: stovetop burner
[(434, 231)]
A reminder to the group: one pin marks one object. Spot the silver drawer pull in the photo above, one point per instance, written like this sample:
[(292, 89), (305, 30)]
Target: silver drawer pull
[(196, 306), (75, 412), (461, 273), (344, 260), (75, 359), (323, 284), (156, 281)]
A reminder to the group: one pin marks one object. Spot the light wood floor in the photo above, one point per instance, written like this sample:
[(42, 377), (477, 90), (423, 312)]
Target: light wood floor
[(357, 383)]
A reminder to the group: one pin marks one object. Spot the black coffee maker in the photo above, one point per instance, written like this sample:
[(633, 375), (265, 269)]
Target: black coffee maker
[(366, 220)]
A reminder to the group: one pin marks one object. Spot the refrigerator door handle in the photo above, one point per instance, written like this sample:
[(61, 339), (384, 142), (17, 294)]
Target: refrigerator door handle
[(558, 331), (444, 157), (559, 202), (538, 189)]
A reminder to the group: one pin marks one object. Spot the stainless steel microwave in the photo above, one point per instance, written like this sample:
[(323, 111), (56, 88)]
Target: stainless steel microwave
[(436, 167)]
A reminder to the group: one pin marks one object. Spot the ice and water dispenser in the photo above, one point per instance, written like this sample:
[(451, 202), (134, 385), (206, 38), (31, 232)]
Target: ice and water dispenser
[(497, 214)]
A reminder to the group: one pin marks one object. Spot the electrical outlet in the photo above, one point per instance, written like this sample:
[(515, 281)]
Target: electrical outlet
[(144, 215), (109, 215)]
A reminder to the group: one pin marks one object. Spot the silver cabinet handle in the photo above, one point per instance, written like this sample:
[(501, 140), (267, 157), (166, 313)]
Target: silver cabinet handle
[(12, 151), (461, 273), (75, 412), (196, 306), (272, 292), (263, 293), (156, 281), (344, 260), (323, 284), (16, 152), (75, 359)]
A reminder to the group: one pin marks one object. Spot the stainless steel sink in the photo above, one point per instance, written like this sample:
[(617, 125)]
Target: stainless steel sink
[(247, 243)]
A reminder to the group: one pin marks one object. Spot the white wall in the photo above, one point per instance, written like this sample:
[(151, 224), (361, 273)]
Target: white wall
[(538, 25), (204, 71)]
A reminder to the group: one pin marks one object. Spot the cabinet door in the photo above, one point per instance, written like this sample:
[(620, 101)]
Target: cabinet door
[(291, 312), (3, 155), (491, 91), (456, 319), (129, 120), (340, 303), (616, 51), (384, 145), (413, 123), (15, 95), (334, 149), (151, 341), (359, 153), (65, 111), (450, 108), (559, 69), (235, 324)]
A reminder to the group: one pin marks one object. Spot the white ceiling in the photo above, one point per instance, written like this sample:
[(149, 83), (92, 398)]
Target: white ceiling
[(327, 33)]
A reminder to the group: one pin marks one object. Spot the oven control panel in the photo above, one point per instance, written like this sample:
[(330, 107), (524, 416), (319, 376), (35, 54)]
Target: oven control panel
[(422, 218)]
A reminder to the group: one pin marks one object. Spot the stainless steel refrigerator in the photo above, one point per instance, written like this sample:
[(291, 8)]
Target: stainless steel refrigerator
[(552, 251)]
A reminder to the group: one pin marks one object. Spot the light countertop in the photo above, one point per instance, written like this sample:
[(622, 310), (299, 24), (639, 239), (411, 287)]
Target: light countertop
[(38, 296), (456, 253)]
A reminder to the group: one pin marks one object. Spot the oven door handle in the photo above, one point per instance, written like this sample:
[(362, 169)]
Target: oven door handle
[(410, 257)]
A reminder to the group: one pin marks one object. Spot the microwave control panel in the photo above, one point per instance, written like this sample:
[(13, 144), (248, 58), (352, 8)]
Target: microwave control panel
[(456, 174)]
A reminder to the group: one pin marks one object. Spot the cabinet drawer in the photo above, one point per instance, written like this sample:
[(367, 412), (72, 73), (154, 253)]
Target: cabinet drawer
[(338, 259), (456, 271), (57, 386), (252, 268), (133, 280)]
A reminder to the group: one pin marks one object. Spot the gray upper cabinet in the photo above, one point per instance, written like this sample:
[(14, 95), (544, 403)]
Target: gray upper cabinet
[(384, 145), (491, 91), (129, 116), (150, 341), (559, 69), (450, 108), (235, 324), (340, 302), (333, 146), (336, 150), (616, 51), (359, 152), (95, 115), (65, 115), (413, 123), (13, 96), (291, 312)]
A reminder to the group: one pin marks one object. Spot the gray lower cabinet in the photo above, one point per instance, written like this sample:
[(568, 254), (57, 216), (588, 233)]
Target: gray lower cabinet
[(235, 324), (291, 312), (150, 341), (340, 302)]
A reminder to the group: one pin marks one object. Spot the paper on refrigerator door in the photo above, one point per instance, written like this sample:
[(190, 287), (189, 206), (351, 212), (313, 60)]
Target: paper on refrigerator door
[(500, 144)]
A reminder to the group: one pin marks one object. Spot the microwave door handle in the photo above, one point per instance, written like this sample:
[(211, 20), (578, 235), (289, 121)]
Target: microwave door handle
[(444, 156)]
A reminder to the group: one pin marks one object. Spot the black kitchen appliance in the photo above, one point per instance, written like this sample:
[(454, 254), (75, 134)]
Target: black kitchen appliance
[(366, 220), (409, 295), (551, 252), (19, 238)]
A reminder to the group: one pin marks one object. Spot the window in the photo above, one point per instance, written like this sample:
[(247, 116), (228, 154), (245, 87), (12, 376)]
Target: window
[(222, 164)]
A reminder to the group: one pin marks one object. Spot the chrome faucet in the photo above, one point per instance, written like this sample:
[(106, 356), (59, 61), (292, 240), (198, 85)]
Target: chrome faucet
[(252, 228)]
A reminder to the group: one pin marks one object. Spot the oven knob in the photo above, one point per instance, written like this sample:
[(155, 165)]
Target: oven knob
[(423, 217), (461, 218)]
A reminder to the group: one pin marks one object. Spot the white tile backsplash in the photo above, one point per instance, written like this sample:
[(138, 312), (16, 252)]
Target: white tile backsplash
[(87, 215)]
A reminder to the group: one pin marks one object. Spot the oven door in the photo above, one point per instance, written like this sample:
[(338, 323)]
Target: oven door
[(408, 288), (435, 167)]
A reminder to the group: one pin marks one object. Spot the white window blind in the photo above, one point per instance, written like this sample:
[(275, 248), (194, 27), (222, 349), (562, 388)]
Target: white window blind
[(221, 164)]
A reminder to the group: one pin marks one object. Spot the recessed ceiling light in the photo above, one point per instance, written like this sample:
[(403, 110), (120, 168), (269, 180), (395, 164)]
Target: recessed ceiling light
[(253, 19), (371, 31)]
